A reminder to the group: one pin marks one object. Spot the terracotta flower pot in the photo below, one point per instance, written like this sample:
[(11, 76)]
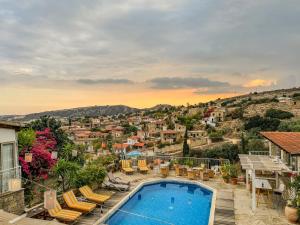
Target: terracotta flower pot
[(226, 180), (291, 214), (234, 181)]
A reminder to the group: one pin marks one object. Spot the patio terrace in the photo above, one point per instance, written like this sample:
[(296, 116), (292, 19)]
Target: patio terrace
[(233, 204)]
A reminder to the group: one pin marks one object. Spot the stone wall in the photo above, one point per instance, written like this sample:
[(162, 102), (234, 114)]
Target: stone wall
[(13, 202)]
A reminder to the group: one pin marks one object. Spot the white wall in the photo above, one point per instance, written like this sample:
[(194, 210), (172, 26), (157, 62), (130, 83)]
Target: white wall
[(7, 135)]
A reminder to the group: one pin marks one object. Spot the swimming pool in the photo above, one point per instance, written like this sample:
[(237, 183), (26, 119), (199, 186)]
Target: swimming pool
[(165, 202)]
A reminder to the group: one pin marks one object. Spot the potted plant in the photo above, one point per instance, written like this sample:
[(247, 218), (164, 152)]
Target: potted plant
[(175, 163), (225, 172), (233, 173), (292, 209), (226, 178)]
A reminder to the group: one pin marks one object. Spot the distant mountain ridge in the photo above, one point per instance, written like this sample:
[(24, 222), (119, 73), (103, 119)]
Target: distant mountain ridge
[(91, 111)]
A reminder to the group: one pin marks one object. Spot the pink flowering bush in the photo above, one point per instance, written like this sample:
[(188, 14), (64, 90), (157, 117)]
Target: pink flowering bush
[(41, 150)]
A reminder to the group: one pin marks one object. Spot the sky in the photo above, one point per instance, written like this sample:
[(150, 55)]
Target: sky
[(60, 54)]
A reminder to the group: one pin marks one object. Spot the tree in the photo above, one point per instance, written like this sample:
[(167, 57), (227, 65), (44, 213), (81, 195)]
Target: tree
[(55, 127), (129, 129), (226, 151), (237, 113), (93, 173), (187, 121), (26, 138), (265, 124), (186, 147), (256, 145), (66, 153), (66, 171), (290, 126), (109, 142), (279, 114)]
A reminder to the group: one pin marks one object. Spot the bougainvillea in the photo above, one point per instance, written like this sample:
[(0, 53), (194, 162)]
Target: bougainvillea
[(41, 150)]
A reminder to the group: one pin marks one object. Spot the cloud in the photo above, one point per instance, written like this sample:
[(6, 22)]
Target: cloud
[(104, 81), (185, 82), (227, 43), (259, 83)]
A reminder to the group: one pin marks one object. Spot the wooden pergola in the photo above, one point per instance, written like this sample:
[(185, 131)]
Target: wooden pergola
[(252, 163)]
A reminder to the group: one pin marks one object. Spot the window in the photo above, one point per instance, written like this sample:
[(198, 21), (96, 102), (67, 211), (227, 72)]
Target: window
[(7, 163), (7, 156)]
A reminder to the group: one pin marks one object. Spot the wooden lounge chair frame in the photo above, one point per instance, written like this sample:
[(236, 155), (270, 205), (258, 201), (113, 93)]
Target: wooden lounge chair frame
[(114, 186), (116, 180)]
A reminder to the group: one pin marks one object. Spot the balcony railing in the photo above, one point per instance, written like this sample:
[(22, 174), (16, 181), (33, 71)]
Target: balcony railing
[(208, 162), (258, 153), (6, 175)]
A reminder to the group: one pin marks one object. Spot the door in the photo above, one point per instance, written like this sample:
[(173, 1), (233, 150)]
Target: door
[(7, 162)]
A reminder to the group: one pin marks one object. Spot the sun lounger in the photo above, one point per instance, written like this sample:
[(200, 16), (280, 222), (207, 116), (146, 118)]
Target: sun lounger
[(73, 203), (118, 187), (116, 180), (63, 214), (87, 192), (142, 166), (126, 167)]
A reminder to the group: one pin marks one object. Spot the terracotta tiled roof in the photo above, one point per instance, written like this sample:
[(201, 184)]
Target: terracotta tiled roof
[(120, 146), (288, 141), (169, 132), (139, 144)]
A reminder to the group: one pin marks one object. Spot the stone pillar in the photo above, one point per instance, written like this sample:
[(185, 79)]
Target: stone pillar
[(253, 191), (13, 202)]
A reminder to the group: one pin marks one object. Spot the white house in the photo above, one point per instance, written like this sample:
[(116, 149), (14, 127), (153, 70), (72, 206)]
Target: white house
[(9, 167), (8, 152)]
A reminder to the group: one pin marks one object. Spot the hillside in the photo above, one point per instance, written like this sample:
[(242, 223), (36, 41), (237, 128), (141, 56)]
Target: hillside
[(79, 112), (91, 111)]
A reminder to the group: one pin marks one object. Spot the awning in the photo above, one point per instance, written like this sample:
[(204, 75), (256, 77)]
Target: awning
[(263, 163)]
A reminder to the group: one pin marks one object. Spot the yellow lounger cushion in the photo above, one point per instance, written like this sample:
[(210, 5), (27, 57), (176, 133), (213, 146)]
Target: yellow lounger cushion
[(143, 168), (63, 214), (128, 169), (142, 165), (73, 203), (87, 192)]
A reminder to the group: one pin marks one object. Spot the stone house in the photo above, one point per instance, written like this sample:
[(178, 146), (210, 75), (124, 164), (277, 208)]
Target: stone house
[(285, 146), (10, 201), (171, 136), (197, 134)]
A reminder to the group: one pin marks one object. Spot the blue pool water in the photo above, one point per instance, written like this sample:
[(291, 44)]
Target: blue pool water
[(165, 203)]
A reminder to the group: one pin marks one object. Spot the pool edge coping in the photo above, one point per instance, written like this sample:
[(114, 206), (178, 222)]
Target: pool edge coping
[(154, 180)]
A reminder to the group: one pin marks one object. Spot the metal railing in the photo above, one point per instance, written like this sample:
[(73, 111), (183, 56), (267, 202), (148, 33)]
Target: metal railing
[(208, 162), (6, 175), (258, 153)]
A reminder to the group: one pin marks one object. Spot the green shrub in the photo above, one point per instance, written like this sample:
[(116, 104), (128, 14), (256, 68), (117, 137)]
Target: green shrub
[(262, 101), (26, 137), (290, 126), (279, 114), (264, 124), (67, 171), (216, 136), (295, 95), (226, 151), (90, 175)]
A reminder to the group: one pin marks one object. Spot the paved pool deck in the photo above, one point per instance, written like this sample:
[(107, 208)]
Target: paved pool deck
[(243, 215)]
